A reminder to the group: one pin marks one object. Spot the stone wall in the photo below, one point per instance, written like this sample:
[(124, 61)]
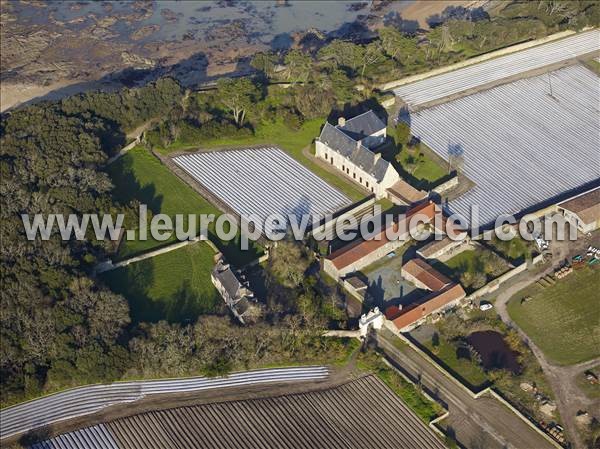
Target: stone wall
[(445, 186), (496, 283), (475, 60)]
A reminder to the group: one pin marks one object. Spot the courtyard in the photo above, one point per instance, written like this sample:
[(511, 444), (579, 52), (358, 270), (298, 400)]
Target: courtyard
[(386, 284)]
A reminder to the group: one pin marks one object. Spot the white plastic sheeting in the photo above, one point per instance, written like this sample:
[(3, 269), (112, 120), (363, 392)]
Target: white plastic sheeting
[(262, 182), (520, 145), (444, 85), (95, 437), (90, 399)]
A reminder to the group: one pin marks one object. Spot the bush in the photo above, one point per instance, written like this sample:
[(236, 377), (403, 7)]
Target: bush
[(292, 120)]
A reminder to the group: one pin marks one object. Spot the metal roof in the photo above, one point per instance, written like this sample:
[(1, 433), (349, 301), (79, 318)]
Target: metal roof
[(261, 182), (497, 69)]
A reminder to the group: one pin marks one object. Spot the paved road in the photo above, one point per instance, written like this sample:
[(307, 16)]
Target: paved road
[(477, 423)]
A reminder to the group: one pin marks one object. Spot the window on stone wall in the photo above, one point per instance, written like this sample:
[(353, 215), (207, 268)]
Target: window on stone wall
[(367, 183), (325, 155), (343, 167), (354, 175), (360, 180)]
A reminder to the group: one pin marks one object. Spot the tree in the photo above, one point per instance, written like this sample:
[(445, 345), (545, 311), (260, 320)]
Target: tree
[(265, 63), (456, 157), (298, 66), (397, 46), (238, 96), (288, 263), (402, 133), (344, 55), (373, 54)]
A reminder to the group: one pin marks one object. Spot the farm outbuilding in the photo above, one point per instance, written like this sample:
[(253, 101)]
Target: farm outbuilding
[(584, 210)]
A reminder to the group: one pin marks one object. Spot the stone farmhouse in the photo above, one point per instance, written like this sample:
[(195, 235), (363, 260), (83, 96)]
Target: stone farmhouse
[(235, 292), (360, 253), (349, 146)]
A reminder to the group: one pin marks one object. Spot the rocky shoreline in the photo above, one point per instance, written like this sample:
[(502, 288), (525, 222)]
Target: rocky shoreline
[(60, 56)]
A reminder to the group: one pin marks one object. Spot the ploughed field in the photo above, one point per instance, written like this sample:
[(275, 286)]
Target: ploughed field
[(363, 413)]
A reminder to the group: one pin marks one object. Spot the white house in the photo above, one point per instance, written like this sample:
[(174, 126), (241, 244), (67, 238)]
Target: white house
[(348, 147)]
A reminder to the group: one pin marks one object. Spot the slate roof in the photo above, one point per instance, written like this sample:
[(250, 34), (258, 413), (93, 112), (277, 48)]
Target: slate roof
[(228, 280), (363, 125), (356, 153)]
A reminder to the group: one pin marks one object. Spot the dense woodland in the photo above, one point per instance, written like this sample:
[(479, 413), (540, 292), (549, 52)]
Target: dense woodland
[(61, 327)]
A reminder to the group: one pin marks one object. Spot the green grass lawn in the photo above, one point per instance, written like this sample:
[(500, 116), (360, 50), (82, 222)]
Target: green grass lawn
[(293, 142), (518, 250), (562, 319), (446, 353), (473, 261), (174, 286), (426, 169), (140, 175)]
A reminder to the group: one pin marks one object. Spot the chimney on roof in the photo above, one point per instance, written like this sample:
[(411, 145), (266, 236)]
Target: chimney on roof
[(377, 156), (357, 144), (341, 122)]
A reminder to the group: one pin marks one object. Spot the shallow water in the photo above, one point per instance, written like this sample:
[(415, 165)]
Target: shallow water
[(262, 21), (495, 353)]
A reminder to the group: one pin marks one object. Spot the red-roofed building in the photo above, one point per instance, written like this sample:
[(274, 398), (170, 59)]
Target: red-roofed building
[(424, 275), (359, 254), (408, 317)]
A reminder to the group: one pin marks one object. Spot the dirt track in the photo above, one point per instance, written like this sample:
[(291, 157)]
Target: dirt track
[(569, 398)]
